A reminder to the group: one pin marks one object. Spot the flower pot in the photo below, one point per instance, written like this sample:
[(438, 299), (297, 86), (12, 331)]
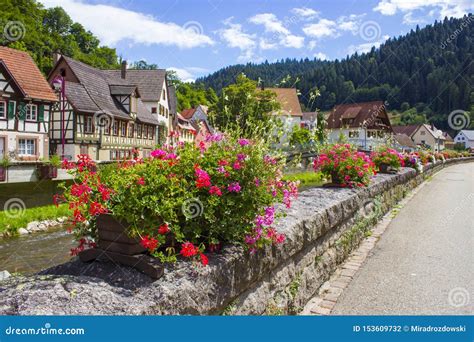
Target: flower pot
[(47, 172), (3, 173), (115, 245), (384, 168)]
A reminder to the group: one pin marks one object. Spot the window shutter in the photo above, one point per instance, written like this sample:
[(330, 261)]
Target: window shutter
[(22, 111), (11, 110), (41, 113)]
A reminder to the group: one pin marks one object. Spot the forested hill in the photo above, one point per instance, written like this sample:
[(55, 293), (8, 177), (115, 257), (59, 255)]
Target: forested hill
[(26, 25), (421, 69)]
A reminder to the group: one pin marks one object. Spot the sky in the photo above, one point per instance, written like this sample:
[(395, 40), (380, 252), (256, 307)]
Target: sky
[(198, 37)]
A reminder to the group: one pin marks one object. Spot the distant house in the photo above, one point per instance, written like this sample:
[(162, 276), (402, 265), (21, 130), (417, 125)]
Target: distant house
[(186, 131), (290, 108), (197, 117), (155, 93), (100, 114), (465, 137), (423, 135), (449, 142), (309, 120), (365, 125), (25, 104), (404, 143)]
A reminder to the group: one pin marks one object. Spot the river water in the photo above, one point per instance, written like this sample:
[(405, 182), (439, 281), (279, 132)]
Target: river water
[(32, 253)]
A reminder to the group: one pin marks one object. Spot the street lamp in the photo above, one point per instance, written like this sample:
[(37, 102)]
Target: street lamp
[(59, 84)]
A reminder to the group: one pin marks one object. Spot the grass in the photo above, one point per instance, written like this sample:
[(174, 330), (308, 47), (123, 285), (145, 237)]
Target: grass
[(306, 178), (12, 221)]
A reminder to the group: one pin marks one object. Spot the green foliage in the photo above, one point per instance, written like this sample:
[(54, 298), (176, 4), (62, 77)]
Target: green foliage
[(422, 72), (387, 156), (11, 223), (143, 65), (245, 109), (300, 136), (308, 178), (5, 161), (50, 30)]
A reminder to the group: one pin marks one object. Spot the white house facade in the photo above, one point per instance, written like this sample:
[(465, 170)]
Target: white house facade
[(465, 138)]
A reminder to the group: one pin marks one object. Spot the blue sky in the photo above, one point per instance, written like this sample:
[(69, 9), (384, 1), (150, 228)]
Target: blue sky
[(197, 37)]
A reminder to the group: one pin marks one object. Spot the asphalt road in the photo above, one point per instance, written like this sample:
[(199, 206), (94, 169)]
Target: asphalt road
[(424, 262)]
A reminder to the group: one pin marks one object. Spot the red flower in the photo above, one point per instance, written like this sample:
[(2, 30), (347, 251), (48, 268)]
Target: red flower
[(149, 243), (96, 209), (215, 190), (188, 250), (104, 191), (141, 181), (163, 229), (204, 260), (203, 178)]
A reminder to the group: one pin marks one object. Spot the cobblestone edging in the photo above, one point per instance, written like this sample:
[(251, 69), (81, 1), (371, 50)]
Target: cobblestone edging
[(323, 227)]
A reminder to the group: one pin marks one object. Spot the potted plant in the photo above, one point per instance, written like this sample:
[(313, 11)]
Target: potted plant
[(49, 169), (387, 160), (181, 202), (4, 164), (345, 165)]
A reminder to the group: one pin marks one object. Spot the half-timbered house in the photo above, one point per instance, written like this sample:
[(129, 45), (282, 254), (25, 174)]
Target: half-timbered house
[(25, 102), (98, 113)]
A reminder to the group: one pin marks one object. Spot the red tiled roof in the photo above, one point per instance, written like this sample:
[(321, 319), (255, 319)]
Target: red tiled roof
[(188, 113), (288, 99), (26, 74), (359, 114)]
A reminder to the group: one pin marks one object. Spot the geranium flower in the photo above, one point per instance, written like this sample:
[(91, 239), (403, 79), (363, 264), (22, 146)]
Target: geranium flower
[(149, 243), (141, 181), (163, 229), (234, 187), (159, 154), (188, 250), (203, 178), (243, 142), (96, 209), (204, 259), (215, 190)]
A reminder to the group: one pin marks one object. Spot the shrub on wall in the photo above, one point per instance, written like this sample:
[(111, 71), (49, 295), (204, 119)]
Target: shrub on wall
[(186, 199), (345, 165), (387, 156)]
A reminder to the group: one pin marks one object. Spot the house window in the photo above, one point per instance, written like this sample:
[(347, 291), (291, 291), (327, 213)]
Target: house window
[(422, 132), (107, 128), (32, 112), (153, 110), (145, 132), (150, 132), (123, 129), (353, 134), (3, 110), (167, 112), (139, 131), (27, 147), (113, 154), (164, 95), (88, 125), (115, 128), (130, 130), (371, 134)]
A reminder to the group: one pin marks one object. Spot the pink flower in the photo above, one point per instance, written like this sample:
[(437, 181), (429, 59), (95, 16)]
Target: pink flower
[(141, 181), (204, 180), (237, 166), (160, 154), (244, 142), (234, 187)]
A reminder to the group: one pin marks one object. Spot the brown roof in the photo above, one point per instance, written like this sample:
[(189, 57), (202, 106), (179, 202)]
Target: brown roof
[(150, 82), (288, 99), (404, 140), (408, 130), (188, 113), (359, 114), (26, 74)]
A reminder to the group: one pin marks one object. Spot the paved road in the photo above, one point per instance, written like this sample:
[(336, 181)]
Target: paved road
[(424, 262)]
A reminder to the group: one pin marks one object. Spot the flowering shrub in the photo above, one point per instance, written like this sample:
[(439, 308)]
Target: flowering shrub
[(345, 165), (187, 200), (387, 156), (413, 160)]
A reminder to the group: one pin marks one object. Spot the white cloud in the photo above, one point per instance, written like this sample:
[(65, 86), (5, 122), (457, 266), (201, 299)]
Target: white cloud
[(113, 25), (366, 47), (320, 56), (188, 74), (312, 45), (350, 23), (449, 8), (305, 12), (234, 36), (323, 28), (267, 45), (282, 34)]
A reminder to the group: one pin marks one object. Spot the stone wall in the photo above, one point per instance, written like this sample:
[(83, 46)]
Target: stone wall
[(322, 228)]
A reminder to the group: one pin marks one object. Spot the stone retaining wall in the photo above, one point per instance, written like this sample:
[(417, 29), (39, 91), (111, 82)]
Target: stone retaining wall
[(322, 228)]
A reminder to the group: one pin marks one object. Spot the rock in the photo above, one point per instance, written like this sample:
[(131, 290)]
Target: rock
[(23, 231), (4, 275), (32, 226), (60, 220), (42, 226)]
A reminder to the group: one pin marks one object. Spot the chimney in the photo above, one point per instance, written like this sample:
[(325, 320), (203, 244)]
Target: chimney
[(123, 69), (56, 56)]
